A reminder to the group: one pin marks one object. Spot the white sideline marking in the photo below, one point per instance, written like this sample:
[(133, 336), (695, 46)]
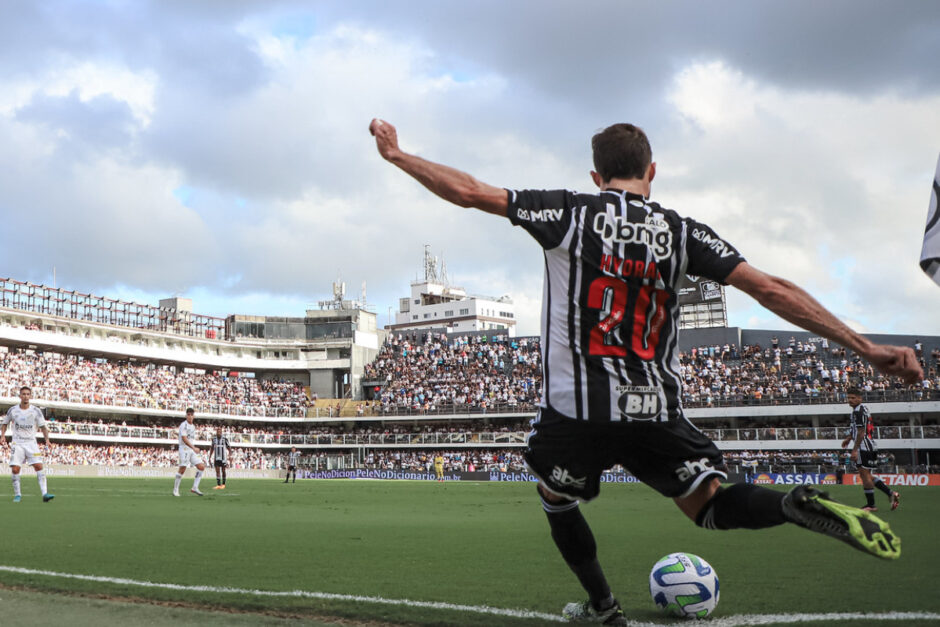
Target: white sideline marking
[(744, 620), (748, 620), (478, 609)]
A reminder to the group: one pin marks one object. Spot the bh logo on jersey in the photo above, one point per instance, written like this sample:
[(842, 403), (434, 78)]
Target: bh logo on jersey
[(691, 469), (639, 402)]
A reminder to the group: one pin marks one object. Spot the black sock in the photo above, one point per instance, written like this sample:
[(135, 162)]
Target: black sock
[(881, 486), (742, 506), (870, 497), (574, 540)]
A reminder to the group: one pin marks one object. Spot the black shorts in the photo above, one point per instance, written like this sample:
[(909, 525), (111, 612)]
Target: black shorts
[(568, 455), (220, 464), (867, 459), (291, 468)]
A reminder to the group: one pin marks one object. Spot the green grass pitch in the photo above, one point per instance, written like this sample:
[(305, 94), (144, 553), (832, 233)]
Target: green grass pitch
[(471, 544)]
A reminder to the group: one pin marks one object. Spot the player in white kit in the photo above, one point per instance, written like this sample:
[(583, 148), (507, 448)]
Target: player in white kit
[(189, 454), (25, 420)]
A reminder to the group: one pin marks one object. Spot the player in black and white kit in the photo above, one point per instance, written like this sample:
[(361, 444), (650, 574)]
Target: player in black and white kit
[(293, 460), (610, 361), (220, 453), (864, 451), (25, 419)]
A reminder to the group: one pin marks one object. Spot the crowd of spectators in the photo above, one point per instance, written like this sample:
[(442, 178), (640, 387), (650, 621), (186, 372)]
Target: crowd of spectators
[(500, 431), (506, 460), (800, 461), (431, 373), (74, 378), (474, 460), (793, 372), (457, 460), (435, 373), (314, 433), (155, 456)]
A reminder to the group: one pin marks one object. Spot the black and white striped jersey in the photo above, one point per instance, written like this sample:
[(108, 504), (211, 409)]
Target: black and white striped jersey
[(293, 459), (613, 262), (860, 422), (220, 448)]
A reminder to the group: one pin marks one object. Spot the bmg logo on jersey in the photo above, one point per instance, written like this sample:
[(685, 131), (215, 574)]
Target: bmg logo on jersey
[(639, 402), (653, 233)]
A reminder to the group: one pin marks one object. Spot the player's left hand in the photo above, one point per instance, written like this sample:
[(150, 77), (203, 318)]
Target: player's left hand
[(386, 138), (854, 456)]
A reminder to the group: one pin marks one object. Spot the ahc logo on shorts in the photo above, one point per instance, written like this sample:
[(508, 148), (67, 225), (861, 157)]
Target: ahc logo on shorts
[(691, 469), (562, 477)]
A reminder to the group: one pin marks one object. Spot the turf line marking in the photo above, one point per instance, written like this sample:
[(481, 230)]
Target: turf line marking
[(749, 620), (478, 609), (744, 620)]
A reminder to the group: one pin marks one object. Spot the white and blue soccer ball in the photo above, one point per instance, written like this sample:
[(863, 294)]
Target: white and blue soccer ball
[(684, 585)]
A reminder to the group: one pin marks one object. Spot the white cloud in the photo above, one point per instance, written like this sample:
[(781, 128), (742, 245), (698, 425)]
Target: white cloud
[(824, 188), (89, 80)]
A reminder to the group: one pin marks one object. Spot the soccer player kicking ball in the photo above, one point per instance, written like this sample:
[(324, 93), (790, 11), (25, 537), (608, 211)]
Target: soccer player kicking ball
[(864, 452), (612, 390), (25, 420), (189, 454)]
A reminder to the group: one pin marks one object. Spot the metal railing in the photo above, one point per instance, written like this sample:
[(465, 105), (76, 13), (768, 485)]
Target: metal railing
[(462, 438), (142, 401), (112, 431), (882, 396)]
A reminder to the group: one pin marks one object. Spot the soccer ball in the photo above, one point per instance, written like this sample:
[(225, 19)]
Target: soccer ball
[(684, 585)]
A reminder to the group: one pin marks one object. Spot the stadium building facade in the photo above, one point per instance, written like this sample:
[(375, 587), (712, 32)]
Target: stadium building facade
[(325, 351), (435, 304)]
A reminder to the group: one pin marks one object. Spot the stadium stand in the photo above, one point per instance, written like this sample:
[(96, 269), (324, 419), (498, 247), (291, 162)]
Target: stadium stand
[(769, 404)]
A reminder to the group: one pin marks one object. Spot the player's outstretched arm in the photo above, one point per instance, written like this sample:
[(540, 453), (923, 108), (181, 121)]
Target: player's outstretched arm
[(795, 305), (450, 184)]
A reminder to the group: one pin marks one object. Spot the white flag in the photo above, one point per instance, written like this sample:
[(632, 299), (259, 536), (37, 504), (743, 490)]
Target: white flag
[(930, 254)]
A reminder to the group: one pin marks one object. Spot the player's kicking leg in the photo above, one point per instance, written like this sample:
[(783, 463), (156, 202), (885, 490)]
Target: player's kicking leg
[(810, 508), (218, 475), (745, 506), (224, 473)]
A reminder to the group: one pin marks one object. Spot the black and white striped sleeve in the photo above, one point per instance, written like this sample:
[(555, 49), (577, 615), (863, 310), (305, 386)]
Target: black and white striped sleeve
[(546, 215), (709, 255)]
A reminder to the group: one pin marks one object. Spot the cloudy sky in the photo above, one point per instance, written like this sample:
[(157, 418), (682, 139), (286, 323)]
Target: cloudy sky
[(219, 149)]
